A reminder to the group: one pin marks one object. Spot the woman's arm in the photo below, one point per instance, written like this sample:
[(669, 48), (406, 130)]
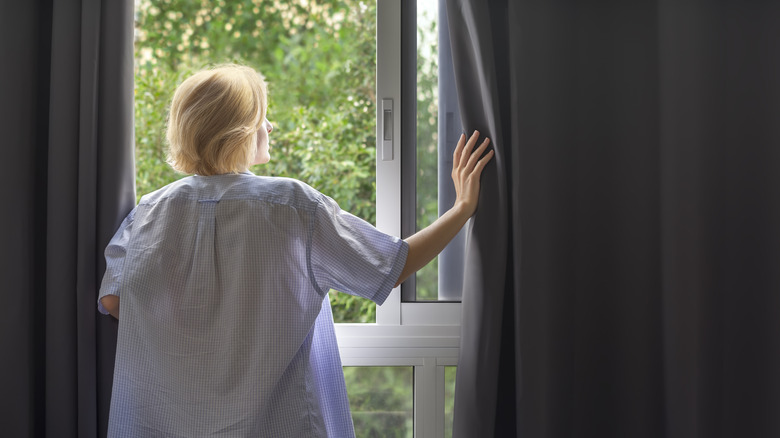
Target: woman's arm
[(431, 240), (111, 303)]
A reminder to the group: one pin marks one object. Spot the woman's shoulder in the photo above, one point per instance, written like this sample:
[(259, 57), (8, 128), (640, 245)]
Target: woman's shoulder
[(243, 186), (175, 188), (277, 189)]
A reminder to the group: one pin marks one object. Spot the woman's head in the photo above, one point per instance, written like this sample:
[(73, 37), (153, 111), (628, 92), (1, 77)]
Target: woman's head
[(214, 119)]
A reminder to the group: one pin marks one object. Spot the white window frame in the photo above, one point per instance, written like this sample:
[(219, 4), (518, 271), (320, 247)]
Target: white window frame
[(425, 335)]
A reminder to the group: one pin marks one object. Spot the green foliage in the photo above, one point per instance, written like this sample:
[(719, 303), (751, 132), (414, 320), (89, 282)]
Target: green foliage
[(450, 373), (153, 92), (383, 408)]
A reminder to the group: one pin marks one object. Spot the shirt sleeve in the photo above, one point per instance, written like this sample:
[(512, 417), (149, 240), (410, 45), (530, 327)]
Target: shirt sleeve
[(115, 260), (350, 255)]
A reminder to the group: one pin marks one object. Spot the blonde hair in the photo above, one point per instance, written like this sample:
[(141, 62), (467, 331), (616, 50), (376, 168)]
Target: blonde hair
[(214, 118)]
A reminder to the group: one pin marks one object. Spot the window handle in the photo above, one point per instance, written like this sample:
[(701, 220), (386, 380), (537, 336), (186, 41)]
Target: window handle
[(387, 129)]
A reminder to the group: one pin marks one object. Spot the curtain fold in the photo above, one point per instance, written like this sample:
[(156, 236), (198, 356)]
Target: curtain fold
[(68, 144), (620, 274), (480, 107)]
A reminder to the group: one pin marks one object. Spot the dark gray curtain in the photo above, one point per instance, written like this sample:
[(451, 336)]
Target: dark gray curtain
[(623, 270), (66, 90)]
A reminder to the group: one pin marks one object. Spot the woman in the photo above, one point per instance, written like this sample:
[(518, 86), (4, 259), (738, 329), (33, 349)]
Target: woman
[(223, 276)]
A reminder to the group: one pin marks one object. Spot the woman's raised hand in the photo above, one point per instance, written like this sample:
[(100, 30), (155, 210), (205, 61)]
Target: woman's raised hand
[(466, 169)]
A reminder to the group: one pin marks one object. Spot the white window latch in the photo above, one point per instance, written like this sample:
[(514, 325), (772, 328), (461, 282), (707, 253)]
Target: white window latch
[(387, 129)]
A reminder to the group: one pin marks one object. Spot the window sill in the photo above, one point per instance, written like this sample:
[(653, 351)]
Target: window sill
[(374, 344)]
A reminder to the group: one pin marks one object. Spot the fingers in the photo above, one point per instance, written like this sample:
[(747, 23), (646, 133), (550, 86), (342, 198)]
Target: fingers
[(470, 145), (456, 152), (462, 151), (483, 162), (477, 154), (466, 160)]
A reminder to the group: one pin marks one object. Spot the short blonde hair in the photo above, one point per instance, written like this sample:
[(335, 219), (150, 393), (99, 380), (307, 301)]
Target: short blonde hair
[(214, 118)]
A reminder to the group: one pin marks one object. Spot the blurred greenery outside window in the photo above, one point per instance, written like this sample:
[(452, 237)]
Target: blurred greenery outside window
[(385, 407), (449, 398), (381, 400)]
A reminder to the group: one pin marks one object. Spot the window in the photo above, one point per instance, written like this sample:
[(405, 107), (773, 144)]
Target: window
[(347, 73), (410, 74), (417, 327), (386, 406), (430, 130)]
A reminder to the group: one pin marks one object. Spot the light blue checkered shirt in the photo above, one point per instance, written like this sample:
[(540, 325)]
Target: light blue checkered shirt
[(225, 327)]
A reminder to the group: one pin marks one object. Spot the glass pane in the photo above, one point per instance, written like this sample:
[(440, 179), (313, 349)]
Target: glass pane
[(381, 400), (449, 398), (437, 129), (319, 59), (427, 135)]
